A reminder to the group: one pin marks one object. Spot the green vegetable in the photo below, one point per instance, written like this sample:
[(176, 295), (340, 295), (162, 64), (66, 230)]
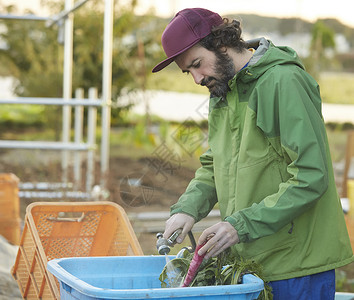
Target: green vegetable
[(225, 269)]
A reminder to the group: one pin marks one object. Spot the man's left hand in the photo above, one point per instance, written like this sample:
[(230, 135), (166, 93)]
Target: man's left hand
[(219, 237)]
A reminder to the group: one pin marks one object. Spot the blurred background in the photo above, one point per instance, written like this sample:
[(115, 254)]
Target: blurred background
[(158, 122)]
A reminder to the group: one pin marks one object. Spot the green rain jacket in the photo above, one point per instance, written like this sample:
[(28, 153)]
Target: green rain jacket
[(269, 168)]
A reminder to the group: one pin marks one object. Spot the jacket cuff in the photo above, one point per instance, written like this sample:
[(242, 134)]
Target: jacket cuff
[(179, 210), (239, 224)]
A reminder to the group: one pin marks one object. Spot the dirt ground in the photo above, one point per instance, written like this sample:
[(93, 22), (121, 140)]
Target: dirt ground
[(159, 183), (138, 185)]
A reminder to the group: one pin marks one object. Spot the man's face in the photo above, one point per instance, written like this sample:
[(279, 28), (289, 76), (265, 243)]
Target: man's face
[(208, 68)]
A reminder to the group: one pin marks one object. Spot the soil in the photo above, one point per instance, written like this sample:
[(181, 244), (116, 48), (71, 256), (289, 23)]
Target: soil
[(136, 184), (145, 184)]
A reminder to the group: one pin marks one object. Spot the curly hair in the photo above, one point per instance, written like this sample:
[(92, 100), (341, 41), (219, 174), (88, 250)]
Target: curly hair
[(227, 34)]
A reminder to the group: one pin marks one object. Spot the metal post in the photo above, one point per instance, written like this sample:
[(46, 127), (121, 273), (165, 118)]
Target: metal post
[(63, 14), (51, 101), (78, 127), (106, 89), (67, 84), (39, 145), (27, 18), (91, 140)]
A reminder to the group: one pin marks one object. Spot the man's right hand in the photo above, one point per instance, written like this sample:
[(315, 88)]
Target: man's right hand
[(178, 221)]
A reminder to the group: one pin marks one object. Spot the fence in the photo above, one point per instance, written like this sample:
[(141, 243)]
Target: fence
[(79, 103), (77, 146)]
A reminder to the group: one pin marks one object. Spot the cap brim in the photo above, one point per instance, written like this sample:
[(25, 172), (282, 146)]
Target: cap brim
[(163, 64), (167, 61)]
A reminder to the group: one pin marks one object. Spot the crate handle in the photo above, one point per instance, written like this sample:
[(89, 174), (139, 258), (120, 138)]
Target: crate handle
[(67, 219)]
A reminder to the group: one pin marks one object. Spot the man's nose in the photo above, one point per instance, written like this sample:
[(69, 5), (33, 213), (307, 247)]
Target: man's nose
[(198, 78)]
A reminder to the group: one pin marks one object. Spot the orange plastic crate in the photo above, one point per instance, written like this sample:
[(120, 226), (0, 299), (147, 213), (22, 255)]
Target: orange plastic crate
[(10, 222), (349, 220), (9, 200), (68, 229), (10, 229)]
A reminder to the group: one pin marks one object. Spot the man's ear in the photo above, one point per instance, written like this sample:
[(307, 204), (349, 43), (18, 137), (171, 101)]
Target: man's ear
[(223, 49)]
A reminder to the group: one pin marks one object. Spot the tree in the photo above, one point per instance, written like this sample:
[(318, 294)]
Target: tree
[(323, 39), (38, 57), (32, 50)]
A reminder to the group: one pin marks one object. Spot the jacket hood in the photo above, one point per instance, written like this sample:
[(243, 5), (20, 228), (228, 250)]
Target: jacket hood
[(266, 56)]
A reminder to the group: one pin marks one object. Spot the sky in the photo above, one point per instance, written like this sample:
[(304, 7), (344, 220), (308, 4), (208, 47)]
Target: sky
[(309, 10), (306, 9)]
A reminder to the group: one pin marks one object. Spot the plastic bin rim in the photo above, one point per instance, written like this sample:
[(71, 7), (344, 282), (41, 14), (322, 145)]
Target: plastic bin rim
[(252, 284)]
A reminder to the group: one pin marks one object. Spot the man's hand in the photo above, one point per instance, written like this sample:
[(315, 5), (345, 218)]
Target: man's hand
[(178, 221), (219, 237)]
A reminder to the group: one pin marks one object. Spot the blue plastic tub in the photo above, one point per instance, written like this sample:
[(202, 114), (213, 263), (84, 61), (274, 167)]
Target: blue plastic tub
[(135, 277), (344, 296)]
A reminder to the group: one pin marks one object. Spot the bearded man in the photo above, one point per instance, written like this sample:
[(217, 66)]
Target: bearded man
[(268, 167)]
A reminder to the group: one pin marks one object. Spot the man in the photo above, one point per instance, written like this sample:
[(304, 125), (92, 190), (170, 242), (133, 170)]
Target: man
[(268, 166)]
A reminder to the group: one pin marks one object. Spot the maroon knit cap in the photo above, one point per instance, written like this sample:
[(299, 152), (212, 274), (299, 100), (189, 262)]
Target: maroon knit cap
[(185, 30)]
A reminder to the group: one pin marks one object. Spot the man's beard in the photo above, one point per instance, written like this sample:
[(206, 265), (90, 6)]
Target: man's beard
[(225, 70)]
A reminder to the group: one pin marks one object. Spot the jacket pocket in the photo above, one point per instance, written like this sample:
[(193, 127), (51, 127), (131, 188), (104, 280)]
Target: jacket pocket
[(257, 181), (269, 247)]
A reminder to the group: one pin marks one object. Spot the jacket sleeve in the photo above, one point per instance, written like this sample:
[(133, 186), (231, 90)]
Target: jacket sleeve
[(291, 113), (200, 196)]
